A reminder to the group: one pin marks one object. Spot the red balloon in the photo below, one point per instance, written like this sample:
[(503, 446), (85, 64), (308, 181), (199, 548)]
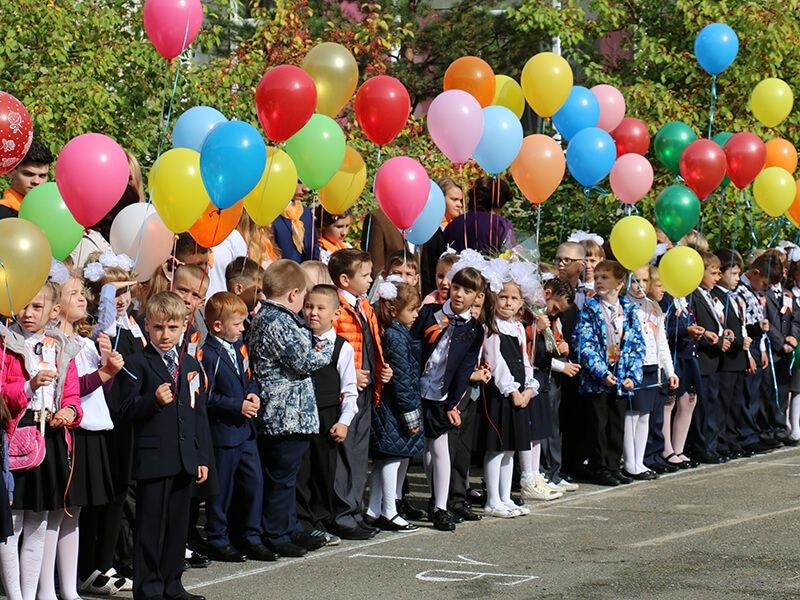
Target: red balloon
[(631, 136), (382, 108), (16, 132), (285, 100), (703, 167), (746, 155)]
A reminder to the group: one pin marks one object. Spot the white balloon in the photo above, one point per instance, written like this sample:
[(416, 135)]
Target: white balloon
[(140, 233)]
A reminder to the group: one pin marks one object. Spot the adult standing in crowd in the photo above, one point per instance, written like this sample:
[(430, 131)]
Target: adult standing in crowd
[(482, 227), (294, 229), (433, 248)]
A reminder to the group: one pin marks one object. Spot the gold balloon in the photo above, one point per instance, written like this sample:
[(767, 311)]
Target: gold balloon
[(508, 93), (25, 255), (346, 186), (274, 190), (177, 188), (546, 82), (335, 74)]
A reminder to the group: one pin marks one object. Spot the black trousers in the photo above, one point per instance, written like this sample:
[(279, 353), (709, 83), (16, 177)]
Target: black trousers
[(732, 406), (315, 480), (707, 417), (574, 421), (607, 424), (774, 404), (281, 457), (551, 447), (752, 404), (460, 442), (99, 532), (655, 434)]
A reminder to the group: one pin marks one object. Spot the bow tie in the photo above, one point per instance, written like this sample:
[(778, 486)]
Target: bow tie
[(456, 321)]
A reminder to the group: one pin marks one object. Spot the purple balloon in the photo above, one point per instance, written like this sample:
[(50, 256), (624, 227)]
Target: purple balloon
[(455, 122)]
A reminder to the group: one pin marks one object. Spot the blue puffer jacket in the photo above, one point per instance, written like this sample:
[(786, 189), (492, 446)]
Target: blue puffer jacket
[(400, 407)]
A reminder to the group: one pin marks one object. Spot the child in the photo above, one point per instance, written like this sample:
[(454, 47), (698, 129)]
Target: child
[(351, 273), (396, 434), (163, 394), (243, 277), (608, 338), (40, 385), (793, 281), (233, 403), (336, 398), (191, 285), (317, 273), (284, 357), (442, 292), (593, 252), (451, 341), (403, 265), (333, 230)]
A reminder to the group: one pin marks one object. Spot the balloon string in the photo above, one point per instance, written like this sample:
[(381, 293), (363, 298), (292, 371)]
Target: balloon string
[(584, 219), (270, 160), (495, 192), (379, 155), (736, 224), (561, 227), (5, 333), (713, 104), (721, 206), (753, 236), (313, 226), (538, 222)]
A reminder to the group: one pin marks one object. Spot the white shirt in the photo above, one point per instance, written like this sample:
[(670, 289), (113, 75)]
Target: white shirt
[(351, 298), (655, 336), (432, 380), (714, 305), (224, 254), (44, 397), (346, 368), (501, 374), (95, 410)]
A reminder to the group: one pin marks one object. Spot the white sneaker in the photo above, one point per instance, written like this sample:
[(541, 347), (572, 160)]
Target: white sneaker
[(501, 512), (566, 486), (520, 508), (537, 488)]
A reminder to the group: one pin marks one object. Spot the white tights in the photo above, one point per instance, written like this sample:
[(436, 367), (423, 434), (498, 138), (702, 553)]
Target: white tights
[(61, 547), (637, 426), (21, 566), (385, 487), (437, 468), (794, 416), (682, 422), (529, 461), (498, 470)]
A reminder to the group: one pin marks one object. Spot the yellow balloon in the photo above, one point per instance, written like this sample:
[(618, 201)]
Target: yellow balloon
[(508, 93), (346, 186), (274, 191), (335, 74), (774, 190), (771, 101), (681, 271), (546, 82), (25, 255), (633, 241), (177, 189)]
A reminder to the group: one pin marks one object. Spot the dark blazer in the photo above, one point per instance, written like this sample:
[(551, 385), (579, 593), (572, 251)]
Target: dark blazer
[(708, 353), (735, 359), (226, 393), (380, 238), (166, 439), (428, 259), (681, 343), (782, 324), (282, 229)]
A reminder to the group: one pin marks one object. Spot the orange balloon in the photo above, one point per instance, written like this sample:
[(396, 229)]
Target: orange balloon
[(794, 210), (474, 76), (781, 153), (539, 167), (215, 225)]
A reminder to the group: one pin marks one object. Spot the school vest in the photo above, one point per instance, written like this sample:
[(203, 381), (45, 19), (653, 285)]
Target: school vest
[(327, 383)]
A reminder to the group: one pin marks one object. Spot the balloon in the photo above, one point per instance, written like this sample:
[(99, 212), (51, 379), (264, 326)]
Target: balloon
[(500, 141), (401, 189), (274, 190), (382, 107), (631, 137), (581, 110), (746, 155), (721, 139), (546, 83), (25, 259), (633, 242), (335, 73), (44, 207), (681, 271), (716, 47), (177, 189), (612, 106), (317, 151), (771, 101), (193, 126), (774, 189), (172, 25), (232, 161), (631, 178), (346, 186), (455, 122), (677, 211), (781, 153), (430, 218), (671, 140), (590, 156), (794, 210), (508, 93), (140, 233), (16, 132), (285, 100), (539, 167), (474, 76), (703, 167), (215, 225), (92, 174)]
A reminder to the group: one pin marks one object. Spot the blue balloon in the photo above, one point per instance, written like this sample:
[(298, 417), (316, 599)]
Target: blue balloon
[(581, 110), (590, 155), (232, 162), (194, 125), (430, 219), (716, 47), (500, 141)]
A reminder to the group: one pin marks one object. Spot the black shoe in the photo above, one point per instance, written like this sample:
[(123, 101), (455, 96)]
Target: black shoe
[(650, 475), (442, 520), (636, 476), (197, 561), (309, 542), (746, 453), (369, 520), (390, 524), (353, 533), (369, 528), (668, 467), (604, 478), (771, 443), (789, 442), (406, 510), (289, 550), (185, 596), (225, 554), (476, 496), (455, 517), (758, 448), (708, 458), (657, 468), (465, 512), (623, 479), (258, 552)]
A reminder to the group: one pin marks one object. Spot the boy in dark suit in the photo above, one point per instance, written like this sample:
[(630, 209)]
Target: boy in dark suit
[(164, 396), (232, 403)]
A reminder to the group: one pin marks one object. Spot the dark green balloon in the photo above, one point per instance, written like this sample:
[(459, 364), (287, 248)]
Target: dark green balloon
[(721, 139), (671, 140), (677, 211)]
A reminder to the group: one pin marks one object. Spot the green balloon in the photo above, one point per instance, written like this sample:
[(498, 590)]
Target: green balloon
[(721, 139), (317, 151), (671, 140), (44, 207), (677, 211)]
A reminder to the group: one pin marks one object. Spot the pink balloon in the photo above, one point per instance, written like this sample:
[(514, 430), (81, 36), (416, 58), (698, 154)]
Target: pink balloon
[(631, 178), (91, 174), (455, 122), (172, 25), (401, 189), (612, 106)]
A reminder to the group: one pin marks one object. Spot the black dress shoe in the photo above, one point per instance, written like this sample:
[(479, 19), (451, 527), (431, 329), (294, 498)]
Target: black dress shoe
[(391, 524), (657, 468), (225, 554), (455, 517), (604, 478), (771, 443), (406, 510), (369, 520), (746, 453), (197, 561), (309, 542), (259, 552), (185, 596), (288, 550), (623, 479), (644, 476), (758, 448), (708, 458), (353, 533), (465, 512), (789, 442), (442, 520), (370, 528)]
